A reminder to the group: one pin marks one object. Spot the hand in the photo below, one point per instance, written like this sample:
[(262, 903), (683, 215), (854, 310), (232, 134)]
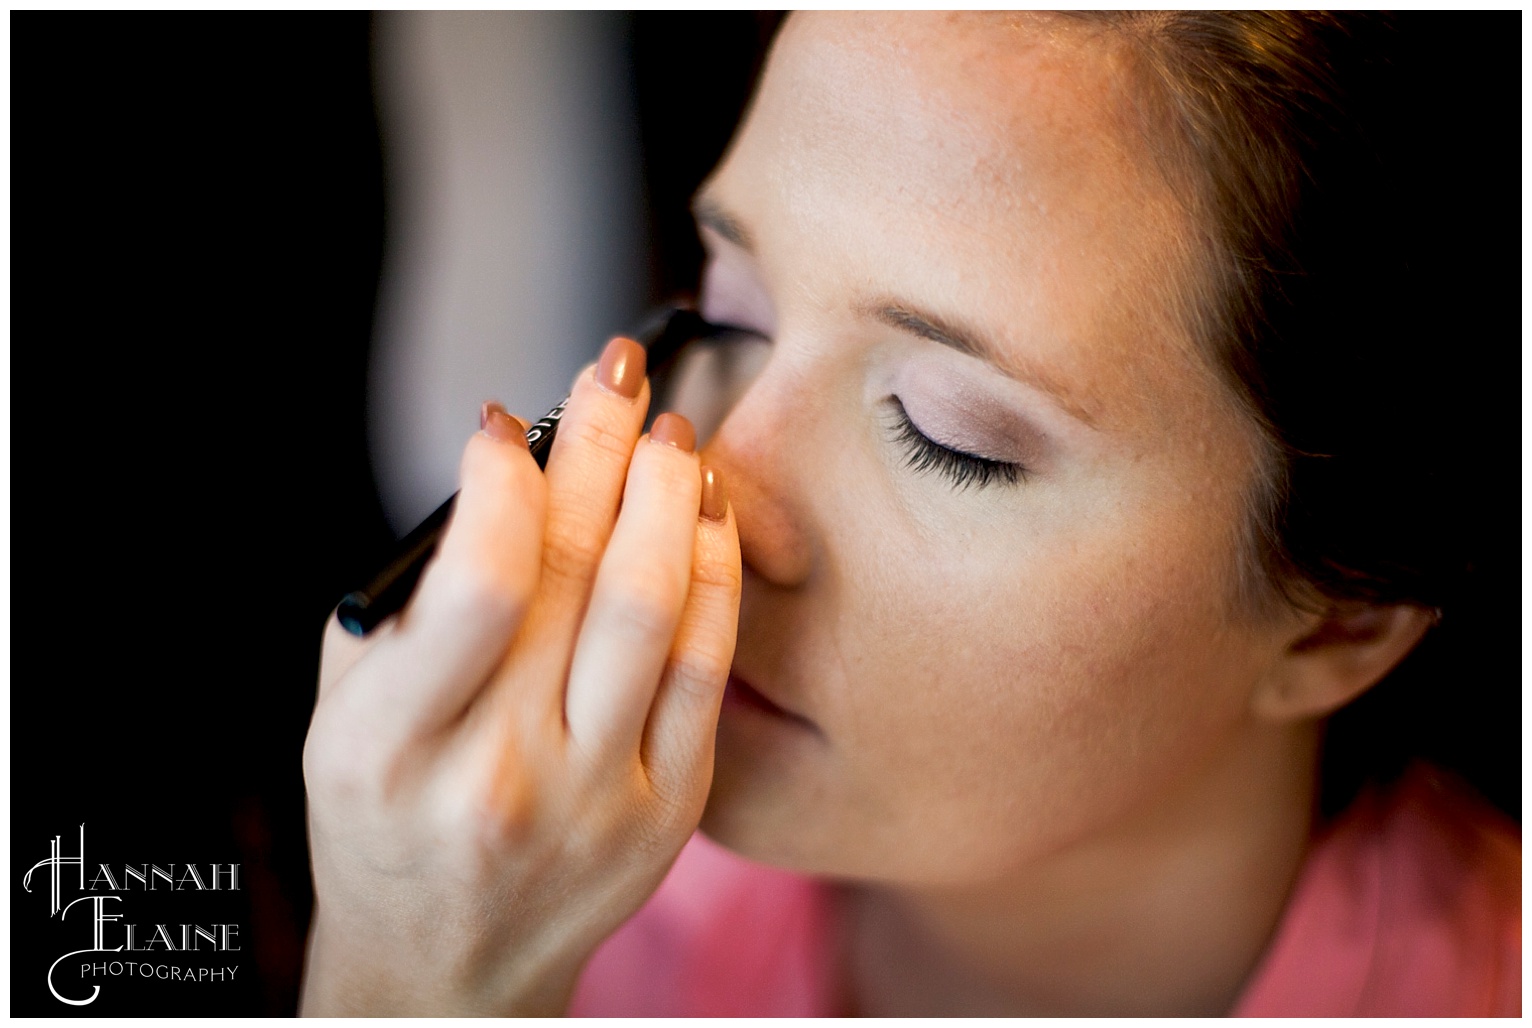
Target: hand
[(503, 775)]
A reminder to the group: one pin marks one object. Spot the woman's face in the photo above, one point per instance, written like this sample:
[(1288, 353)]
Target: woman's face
[(948, 228)]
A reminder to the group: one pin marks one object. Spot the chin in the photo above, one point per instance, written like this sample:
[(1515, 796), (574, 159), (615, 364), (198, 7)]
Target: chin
[(760, 807)]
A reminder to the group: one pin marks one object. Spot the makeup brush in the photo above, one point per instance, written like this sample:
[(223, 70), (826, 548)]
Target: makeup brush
[(663, 336)]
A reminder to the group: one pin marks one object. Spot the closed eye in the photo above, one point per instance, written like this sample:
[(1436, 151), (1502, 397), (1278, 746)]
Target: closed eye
[(924, 454)]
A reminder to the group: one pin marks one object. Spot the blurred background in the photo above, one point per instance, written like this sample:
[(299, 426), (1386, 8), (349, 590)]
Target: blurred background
[(264, 270)]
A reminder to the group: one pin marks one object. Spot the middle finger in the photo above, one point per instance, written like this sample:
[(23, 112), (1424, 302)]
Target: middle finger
[(585, 474)]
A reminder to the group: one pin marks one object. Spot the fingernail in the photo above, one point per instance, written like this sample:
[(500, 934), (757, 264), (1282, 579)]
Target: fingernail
[(622, 367), (497, 424), (715, 499), (674, 430)]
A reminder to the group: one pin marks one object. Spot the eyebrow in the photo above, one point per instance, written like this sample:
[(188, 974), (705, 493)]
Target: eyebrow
[(938, 330), (709, 213)]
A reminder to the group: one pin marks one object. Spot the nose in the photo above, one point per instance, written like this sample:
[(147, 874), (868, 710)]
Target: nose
[(764, 448)]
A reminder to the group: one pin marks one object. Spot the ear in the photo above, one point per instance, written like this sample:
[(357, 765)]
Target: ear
[(1330, 663)]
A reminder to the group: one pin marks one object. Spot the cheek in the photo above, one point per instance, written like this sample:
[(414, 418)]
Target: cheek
[(1024, 691)]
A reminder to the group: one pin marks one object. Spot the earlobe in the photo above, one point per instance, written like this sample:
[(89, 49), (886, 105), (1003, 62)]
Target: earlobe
[(1330, 663)]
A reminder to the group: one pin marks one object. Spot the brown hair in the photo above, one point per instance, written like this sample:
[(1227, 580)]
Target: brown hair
[(1351, 250), (1266, 123)]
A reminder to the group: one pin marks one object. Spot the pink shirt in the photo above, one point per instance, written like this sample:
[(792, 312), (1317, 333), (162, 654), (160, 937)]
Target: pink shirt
[(1409, 905)]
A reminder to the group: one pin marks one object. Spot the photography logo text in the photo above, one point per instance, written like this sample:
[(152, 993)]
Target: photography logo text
[(115, 909)]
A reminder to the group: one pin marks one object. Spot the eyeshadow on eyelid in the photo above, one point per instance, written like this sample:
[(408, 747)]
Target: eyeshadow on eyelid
[(974, 407), (730, 295), (963, 417)]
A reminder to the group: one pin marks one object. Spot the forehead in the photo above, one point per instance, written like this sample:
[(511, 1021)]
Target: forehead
[(992, 100), (988, 164)]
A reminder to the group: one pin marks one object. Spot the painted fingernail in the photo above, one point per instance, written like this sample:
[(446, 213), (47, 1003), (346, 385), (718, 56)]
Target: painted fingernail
[(673, 430), (715, 499), (621, 369), (497, 424)]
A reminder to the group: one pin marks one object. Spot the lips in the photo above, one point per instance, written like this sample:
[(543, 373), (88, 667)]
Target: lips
[(741, 693)]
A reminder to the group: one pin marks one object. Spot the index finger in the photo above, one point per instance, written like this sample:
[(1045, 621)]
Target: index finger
[(472, 598)]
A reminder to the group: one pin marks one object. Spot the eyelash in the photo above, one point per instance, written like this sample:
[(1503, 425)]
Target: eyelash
[(924, 454)]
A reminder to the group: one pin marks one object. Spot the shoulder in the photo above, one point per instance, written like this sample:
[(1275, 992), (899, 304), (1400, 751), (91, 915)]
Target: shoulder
[(722, 937), (1409, 905)]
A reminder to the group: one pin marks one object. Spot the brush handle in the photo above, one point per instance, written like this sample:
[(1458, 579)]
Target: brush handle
[(386, 593)]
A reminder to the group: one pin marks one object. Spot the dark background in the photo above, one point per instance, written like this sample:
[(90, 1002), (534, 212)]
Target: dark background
[(198, 221), (198, 217)]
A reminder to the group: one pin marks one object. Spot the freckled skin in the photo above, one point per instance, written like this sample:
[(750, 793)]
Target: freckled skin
[(1048, 764), (1052, 763), (998, 674)]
